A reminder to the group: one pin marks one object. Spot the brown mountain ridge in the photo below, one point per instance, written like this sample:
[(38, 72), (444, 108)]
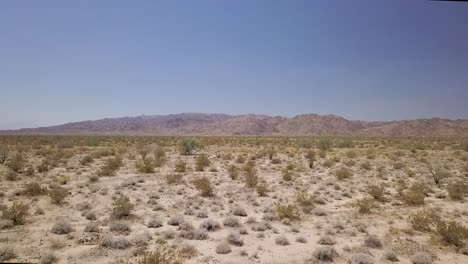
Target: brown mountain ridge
[(227, 125)]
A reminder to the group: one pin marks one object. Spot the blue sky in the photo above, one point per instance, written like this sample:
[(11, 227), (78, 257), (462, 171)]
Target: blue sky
[(64, 61)]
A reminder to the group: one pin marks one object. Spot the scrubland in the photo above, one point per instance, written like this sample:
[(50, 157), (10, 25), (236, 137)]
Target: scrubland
[(98, 199)]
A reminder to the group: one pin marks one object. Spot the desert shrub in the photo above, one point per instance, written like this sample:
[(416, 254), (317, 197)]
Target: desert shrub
[(110, 166), (17, 212), (324, 144), (287, 174), (210, 225), (202, 162), (366, 166), (120, 228), (391, 255), (223, 248), (115, 242), (290, 211), (180, 166), (270, 151), (86, 160), (301, 239), (372, 242), (326, 240), (262, 189), (61, 227), (176, 220), (452, 232), (421, 258), (414, 197), (154, 222), (11, 176), (231, 221), (310, 156), (240, 159), (3, 154), (203, 185), (464, 145), (251, 177), (143, 150), (33, 189), (438, 174), (457, 190), (282, 240), (239, 211), (92, 227), (324, 254), (173, 178), (48, 258), (344, 143), (195, 234), (6, 224), (235, 239), (146, 165), (377, 192), (121, 207), (187, 146), (362, 258), (398, 165), (343, 173), (364, 205), (16, 163), (7, 252), (305, 201), (57, 195), (233, 172), (424, 220), (162, 255)]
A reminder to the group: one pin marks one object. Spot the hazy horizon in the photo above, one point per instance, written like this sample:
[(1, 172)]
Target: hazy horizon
[(374, 61)]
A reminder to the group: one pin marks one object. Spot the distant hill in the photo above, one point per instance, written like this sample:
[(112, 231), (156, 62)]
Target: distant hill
[(222, 124)]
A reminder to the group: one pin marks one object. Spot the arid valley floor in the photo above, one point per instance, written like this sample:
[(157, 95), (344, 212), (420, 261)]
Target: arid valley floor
[(96, 199)]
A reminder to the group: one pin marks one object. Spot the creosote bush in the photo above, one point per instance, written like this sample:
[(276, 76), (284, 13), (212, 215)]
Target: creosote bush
[(57, 195), (364, 205), (17, 212), (343, 173), (251, 177), (110, 166), (162, 255), (203, 184), (202, 162), (121, 207), (290, 211), (187, 146), (146, 165)]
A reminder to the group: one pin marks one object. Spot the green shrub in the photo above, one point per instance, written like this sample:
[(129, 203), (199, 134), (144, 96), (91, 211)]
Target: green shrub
[(57, 195), (86, 160), (3, 154), (377, 192), (324, 144), (364, 205), (452, 232), (203, 184), (110, 166), (290, 211), (16, 163), (173, 178), (17, 212), (424, 220), (121, 207), (233, 172), (457, 190), (262, 189), (310, 156), (180, 166), (343, 173), (251, 177), (33, 189), (187, 146), (146, 165), (202, 162), (162, 255)]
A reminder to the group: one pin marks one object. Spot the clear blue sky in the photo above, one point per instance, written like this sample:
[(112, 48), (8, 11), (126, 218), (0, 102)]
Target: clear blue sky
[(66, 61)]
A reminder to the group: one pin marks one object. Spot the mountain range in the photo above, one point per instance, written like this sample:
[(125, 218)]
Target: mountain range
[(252, 124)]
